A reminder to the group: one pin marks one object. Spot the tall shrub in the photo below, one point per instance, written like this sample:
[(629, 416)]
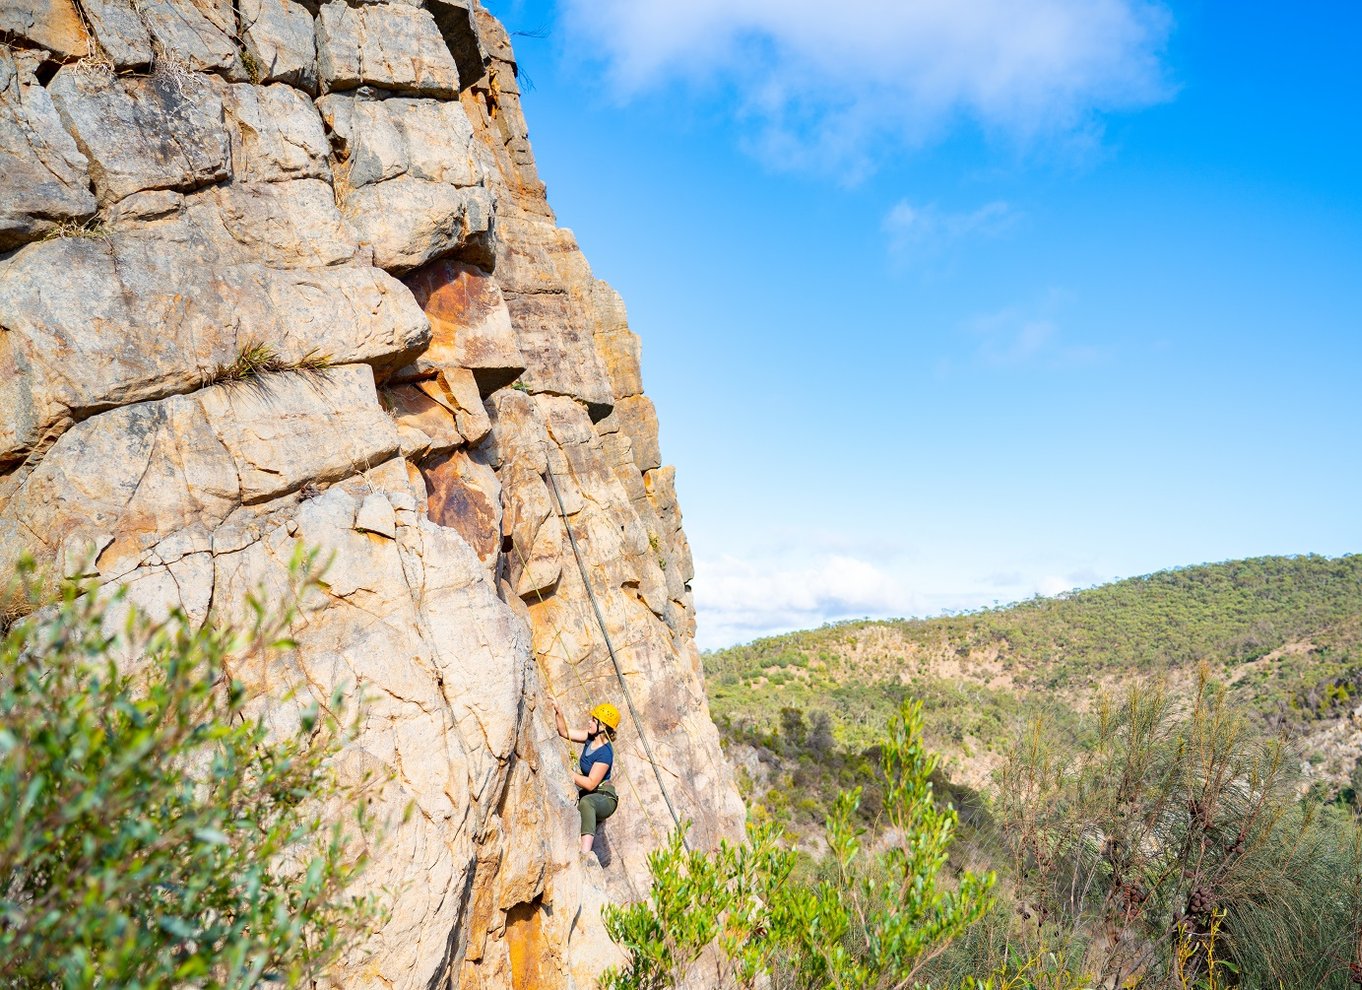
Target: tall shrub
[(152, 833)]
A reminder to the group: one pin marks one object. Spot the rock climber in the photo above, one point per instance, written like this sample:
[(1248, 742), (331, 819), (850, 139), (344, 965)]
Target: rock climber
[(596, 797)]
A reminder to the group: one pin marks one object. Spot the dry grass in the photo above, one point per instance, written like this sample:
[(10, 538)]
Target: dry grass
[(92, 229), (256, 359)]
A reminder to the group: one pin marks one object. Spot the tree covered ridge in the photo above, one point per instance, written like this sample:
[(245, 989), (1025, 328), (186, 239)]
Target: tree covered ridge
[(1284, 633), (1242, 608)]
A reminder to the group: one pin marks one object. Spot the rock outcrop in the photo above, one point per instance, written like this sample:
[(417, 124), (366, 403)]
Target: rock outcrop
[(281, 274)]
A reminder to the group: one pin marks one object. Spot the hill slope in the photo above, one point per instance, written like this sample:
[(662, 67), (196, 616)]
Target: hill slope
[(1284, 632)]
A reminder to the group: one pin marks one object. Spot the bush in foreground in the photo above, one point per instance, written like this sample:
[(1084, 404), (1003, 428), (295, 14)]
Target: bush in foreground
[(872, 922), (152, 833), (1173, 849)]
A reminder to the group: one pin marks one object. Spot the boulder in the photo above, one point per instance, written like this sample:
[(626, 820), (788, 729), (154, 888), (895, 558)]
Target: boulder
[(619, 347), (199, 35), (547, 285), (276, 132), (465, 495), (51, 24), (409, 179), (636, 417), (279, 36), (143, 316), (408, 221), (120, 32), (469, 323), (421, 138), (132, 476)]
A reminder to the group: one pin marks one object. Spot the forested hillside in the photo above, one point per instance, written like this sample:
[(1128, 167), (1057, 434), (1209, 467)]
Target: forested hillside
[(1284, 634)]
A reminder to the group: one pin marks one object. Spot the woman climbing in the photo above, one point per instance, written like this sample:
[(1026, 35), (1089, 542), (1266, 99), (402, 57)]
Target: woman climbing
[(596, 797)]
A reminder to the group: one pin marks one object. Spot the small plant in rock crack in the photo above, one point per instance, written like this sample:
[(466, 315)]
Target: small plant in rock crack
[(92, 229), (251, 65), (256, 359)]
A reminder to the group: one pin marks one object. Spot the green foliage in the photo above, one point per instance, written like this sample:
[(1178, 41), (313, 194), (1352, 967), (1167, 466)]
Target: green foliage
[(155, 834), (721, 901), (1173, 846), (1284, 632), (874, 920)]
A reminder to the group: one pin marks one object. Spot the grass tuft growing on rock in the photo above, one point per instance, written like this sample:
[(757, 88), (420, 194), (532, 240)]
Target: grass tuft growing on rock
[(256, 359), (92, 229)]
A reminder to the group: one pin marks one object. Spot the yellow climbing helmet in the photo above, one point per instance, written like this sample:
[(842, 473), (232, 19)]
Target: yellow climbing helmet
[(607, 714)]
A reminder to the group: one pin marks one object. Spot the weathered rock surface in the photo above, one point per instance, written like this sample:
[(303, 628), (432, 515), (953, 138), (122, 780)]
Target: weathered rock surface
[(196, 34), (207, 363), (279, 36), (162, 132), (120, 32), (51, 24), (394, 46), (46, 178), (412, 180)]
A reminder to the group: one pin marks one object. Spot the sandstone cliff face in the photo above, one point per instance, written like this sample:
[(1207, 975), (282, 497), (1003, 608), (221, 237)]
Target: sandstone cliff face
[(184, 182)]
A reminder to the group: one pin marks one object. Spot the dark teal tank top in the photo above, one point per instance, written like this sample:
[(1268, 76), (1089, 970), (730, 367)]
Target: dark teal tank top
[(601, 754)]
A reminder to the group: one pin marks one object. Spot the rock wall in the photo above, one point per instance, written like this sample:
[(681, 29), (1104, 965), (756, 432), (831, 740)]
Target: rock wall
[(278, 274)]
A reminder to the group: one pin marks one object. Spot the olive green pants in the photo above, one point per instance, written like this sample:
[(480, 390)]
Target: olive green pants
[(596, 806)]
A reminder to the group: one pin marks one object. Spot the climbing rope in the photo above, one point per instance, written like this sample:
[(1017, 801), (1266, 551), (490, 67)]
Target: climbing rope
[(583, 691), (609, 647)]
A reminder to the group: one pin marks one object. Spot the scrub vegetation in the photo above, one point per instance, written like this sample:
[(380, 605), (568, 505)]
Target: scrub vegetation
[(1156, 771)]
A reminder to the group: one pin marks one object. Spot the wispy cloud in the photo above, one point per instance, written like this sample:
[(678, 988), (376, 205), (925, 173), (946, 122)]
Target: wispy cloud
[(740, 599), (761, 592), (923, 233), (1029, 335), (836, 87)]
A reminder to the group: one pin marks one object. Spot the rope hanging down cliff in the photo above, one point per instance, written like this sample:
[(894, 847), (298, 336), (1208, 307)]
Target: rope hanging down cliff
[(609, 647)]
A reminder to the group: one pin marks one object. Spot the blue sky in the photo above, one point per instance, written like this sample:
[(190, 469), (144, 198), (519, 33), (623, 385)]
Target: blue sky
[(944, 304)]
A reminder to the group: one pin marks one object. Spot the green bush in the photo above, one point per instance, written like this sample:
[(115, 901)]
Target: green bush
[(872, 920), (1174, 842), (155, 834)]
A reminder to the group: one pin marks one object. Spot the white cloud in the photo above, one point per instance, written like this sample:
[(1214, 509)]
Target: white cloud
[(802, 585), (822, 83), (741, 599), (916, 233), (1029, 334)]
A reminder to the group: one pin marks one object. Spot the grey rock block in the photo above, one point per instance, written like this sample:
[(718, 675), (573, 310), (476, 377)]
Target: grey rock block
[(470, 326), (279, 35), (197, 33), (130, 476), (51, 24), (277, 134), (154, 311), (382, 139), (395, 47), (458, 26), (161, 132), (409, 221), (120, 32), (46, 179)]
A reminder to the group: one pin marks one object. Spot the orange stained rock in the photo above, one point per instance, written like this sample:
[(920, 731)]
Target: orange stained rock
[(525, 943)]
